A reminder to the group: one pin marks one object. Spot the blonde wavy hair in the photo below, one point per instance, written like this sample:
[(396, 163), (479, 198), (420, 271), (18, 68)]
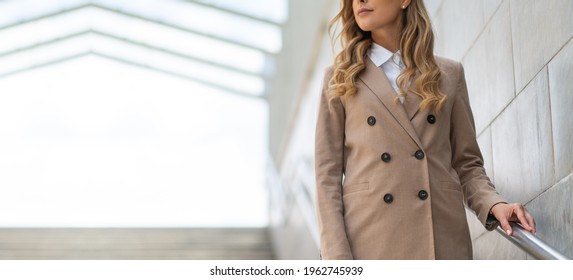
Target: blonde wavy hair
[(416, 48)]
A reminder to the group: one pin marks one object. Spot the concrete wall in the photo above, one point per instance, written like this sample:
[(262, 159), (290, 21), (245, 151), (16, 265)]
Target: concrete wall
[(293, 103), (302, 31), (518, 58)]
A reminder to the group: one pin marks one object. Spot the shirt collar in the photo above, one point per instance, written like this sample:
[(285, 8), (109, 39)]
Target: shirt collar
[(380, 55)]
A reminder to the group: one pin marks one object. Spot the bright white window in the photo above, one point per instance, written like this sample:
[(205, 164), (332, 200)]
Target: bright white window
[(134, 113)]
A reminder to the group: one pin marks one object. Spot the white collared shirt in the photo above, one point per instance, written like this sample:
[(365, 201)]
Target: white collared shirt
[(390, 62)]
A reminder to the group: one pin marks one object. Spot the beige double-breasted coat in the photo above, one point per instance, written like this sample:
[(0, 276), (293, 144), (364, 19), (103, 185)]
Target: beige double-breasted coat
[(391, 179)]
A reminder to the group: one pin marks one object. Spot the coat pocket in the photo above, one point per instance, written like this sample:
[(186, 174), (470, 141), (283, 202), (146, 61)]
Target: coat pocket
[(347, 189), (452, 186)]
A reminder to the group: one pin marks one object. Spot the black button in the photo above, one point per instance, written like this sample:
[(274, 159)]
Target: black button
[(388, 198), (432, 119), (423, 195), (386, 157), (371, 120), (419, 154)]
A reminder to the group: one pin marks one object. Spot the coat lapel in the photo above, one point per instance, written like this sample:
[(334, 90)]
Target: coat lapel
[(412, 104), (375, 79)]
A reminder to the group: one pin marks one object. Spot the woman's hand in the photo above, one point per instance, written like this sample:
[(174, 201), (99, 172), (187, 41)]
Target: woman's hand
[(513, 212)]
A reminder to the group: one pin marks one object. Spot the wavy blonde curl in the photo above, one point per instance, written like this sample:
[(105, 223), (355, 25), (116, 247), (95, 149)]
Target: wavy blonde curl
[(416, 48)]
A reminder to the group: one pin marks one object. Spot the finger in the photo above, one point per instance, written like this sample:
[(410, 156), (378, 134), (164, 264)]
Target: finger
[(520, 213), (505, 225), (531, 221)]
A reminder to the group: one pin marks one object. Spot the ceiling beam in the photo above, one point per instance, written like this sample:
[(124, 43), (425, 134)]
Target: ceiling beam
[(136, 64), (133, 15), (132, 42), (229, 11), (193, 79)]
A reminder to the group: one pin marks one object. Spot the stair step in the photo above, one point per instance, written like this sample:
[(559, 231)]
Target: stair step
[(135, 243)]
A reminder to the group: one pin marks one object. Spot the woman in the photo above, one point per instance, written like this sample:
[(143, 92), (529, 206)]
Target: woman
[(396, 151)]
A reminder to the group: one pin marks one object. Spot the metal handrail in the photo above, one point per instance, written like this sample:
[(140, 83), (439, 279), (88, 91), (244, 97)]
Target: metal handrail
[(300, 183), (531, 244)]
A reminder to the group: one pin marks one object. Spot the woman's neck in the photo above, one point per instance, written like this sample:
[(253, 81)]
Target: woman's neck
[(389, 36)]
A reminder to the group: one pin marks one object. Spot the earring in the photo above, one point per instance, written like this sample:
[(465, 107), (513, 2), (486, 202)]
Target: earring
[(403, 7)]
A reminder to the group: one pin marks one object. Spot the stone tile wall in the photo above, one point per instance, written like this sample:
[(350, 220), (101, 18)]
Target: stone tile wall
[(518, 60)]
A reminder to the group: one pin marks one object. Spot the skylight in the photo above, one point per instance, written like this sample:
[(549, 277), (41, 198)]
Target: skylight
[(135, 112)]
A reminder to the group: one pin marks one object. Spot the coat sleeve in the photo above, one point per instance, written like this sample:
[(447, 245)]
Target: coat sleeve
[(329, 169), (479, 192)]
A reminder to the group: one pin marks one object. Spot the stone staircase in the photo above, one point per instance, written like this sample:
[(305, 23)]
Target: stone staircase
[(135, 243)]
